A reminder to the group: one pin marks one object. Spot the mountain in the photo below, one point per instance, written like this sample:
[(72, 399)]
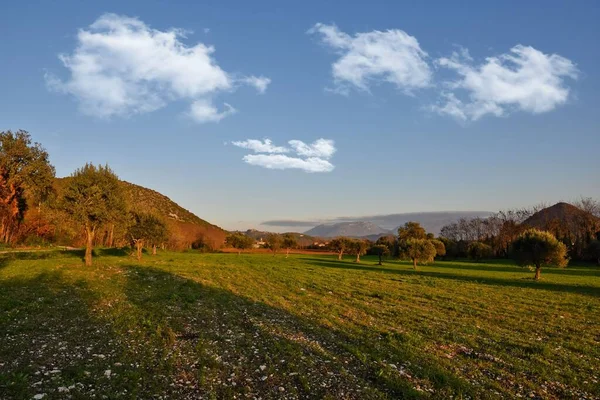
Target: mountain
[(563, 215), (350, 229), (431, 221), (184, 226)]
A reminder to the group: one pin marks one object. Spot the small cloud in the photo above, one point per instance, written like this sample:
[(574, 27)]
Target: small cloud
[(259, 82), (280, 161), (524, 79), (259, 146), (391, 56), (204, 111), (310, 157)]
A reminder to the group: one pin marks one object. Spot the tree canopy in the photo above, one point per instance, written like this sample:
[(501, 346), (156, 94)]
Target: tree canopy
[(538, 248), (93, 197), (25, 175), (147, 230), (420, 251), (239, 241)]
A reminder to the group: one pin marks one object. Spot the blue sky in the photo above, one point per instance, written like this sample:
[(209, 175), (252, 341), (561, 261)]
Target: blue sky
[(421, 106)]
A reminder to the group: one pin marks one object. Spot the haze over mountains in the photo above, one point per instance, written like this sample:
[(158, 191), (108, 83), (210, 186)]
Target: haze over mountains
[(376, 224)]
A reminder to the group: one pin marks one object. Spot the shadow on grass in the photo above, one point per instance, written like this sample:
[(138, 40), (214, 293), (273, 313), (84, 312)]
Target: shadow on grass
[(408, 271), (319, 362), (577, 270)]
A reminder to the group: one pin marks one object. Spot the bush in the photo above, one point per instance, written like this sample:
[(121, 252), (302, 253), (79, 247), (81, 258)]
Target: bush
[(478, 251)]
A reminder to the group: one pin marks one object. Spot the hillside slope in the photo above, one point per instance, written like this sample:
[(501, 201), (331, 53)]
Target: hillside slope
[(184, 226)]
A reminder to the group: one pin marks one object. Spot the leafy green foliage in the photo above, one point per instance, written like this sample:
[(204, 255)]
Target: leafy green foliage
[(411, 230), (340, 245), (440, 248), (239, 241), (358, 248), (273, 241), (93, 197), (380, 250), (420, 251), (479, 251), (25, 175), (147, 230), (538, 248)]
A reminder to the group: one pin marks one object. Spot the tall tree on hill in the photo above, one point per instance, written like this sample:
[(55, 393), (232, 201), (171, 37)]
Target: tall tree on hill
[(340, 245), (289, 242), (273, 242), (147, 230), (538, 248), (93, 197), (25, 174), (239, 241)]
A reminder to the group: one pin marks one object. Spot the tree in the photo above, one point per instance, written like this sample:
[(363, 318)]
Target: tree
[(419, 250), (593, 250), (289, 242), (538, 248), (25, 174), (239, 241), (390, 242), (478, 251), (147, 229), (380, 250), (273, 242), (358, 248), (93, 197), (411, 230), (440, 248), (340, 245)]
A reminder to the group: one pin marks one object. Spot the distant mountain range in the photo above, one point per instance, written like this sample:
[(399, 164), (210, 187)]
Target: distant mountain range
[(350, 229), (372, 226)]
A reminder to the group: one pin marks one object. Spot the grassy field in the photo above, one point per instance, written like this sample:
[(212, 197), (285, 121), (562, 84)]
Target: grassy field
[(183, 325)]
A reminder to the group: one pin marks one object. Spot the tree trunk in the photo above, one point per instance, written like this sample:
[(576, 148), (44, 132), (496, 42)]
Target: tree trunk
[(414, 263), (287, 253), (340, 255), (111, 235), (139, 246), (538, 272), (89, 246), (153, 249), (380, 260), (357, 257)]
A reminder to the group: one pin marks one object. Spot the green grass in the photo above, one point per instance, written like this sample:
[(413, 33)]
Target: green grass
[(184, 325)]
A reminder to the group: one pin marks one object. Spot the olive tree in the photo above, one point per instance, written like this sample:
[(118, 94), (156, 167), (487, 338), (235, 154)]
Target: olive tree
[(289, 242), (358, 248), (239, 241), (340, 245), (478, 251), (419, 251), (93, 197), (440, 248), (147, 230), (273, 242), (538, 248), (25, 175), (380, 250)]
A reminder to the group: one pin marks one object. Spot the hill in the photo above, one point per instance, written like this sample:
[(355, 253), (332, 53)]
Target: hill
[(184, 226), (350, 229), (564, 213)]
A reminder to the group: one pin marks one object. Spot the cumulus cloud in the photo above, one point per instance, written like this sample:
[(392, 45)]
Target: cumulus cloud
[(259, 146), (121, 67), (311, 157), (391, 56), (524, 79), (280, 161)]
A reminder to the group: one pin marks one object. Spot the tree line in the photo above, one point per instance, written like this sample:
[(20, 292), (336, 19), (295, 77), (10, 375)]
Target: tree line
[(91, 201)]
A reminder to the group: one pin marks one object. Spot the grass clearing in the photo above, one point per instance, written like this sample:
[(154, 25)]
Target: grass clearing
[(185, 325)]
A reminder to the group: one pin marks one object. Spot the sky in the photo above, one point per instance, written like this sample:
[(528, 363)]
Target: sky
[(244, 112)]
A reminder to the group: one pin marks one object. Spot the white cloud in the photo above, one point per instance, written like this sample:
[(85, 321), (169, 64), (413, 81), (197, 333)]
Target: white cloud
[(524, 79), (121, 66), (259, 82), (259, 146), (322, 148), (392, 56), (280, 161), (310, 157), (204, 111)]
